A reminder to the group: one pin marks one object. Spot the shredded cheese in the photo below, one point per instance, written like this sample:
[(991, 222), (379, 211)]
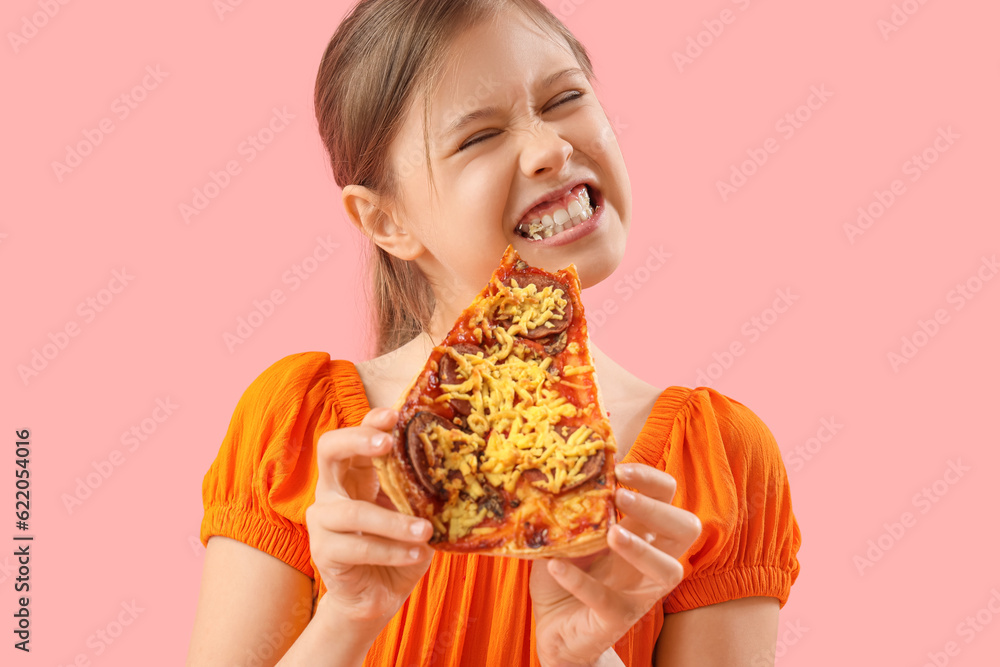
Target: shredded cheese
[(515, 409)]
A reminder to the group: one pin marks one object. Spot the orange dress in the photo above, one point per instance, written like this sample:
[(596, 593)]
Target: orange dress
[(475, 610)]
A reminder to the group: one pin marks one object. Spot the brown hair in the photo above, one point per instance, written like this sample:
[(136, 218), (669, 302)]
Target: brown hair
[(381, 55)]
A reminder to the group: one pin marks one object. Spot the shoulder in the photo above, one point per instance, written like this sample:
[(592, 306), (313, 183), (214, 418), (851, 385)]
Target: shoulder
[(294, 373), (263, 477), (681, 414), (744, 434), (729, 472), (304, 381)]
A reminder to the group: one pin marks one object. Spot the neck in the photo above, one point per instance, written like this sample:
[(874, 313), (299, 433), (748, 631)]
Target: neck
[(440, 324)]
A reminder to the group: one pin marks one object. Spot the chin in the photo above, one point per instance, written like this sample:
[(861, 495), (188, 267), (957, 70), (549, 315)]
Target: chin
[(596, 269), (597, 254)]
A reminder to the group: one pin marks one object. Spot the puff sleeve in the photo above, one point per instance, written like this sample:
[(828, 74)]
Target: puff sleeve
[(264, 477), (730, 474)]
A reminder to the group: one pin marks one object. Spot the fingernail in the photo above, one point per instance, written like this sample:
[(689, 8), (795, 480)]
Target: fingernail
[(627, 496), (626, 535), (380, 440), (414, 553), (558, 567), (417, 528)]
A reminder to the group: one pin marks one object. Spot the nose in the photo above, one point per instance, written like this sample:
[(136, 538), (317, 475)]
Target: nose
[(544, 151)]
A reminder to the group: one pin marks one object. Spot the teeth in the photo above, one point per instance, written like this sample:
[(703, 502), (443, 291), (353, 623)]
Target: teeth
[(558, 221)]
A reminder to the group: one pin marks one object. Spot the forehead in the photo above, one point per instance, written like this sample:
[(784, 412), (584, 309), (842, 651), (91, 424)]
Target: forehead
[(493, 63)]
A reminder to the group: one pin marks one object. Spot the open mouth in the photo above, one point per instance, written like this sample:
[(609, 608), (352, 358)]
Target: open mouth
[(578, 206)]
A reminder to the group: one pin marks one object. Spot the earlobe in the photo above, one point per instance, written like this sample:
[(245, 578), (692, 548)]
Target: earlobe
[(376, 221)]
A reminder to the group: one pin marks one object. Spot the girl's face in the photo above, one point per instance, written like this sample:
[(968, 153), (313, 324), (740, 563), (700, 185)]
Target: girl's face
[(543, 133)]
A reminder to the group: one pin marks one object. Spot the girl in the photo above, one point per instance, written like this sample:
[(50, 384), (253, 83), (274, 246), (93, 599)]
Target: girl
[(447, 121)]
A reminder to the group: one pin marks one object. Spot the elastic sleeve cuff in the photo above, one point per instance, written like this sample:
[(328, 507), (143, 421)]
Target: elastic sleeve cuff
[(288, 544), (729, 585)]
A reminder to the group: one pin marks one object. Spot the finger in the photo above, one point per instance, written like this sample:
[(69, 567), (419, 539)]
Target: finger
[(647, 480), (360, 516), (655, 564), (672, 529), (606, 604), (583, 562), (348, 549), (338, 449)]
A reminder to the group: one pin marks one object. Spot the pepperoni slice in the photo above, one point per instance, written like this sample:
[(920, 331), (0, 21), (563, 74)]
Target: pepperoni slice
[(557, 323), (533, 475), (590, 469), (448, 374), (553, 345), (420, 423)]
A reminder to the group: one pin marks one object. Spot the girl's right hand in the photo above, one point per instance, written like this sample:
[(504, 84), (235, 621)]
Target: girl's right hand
[(369, 556)]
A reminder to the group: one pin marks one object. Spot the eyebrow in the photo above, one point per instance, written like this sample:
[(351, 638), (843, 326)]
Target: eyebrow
[(492, 110)]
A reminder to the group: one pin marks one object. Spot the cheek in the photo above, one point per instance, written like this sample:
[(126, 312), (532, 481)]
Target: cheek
[(596, 144), (479, 198), (596, 140)]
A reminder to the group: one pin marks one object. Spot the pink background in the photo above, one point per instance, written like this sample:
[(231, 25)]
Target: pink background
[(682, 129)]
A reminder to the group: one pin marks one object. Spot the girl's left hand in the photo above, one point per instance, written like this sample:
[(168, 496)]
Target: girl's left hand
[(580, 613)]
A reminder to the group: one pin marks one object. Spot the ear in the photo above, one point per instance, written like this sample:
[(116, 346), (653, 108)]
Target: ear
[(378, 220)]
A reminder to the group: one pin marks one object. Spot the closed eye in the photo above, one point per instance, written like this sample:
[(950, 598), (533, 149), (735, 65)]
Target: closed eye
[(573, 95)]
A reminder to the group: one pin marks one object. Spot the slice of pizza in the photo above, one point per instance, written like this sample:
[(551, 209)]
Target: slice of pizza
[(502, 440)]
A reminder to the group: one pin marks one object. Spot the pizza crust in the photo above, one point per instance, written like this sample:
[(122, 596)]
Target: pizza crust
[(391, 474)]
